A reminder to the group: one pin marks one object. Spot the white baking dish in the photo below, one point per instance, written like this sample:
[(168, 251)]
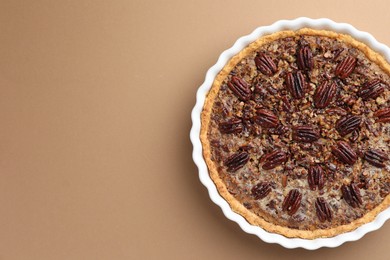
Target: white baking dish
[(241, 43)]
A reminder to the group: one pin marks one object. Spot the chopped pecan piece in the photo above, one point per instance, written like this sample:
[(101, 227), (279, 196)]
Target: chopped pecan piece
[(292, 202), (354, 136), (315, 177), (348, 124), (240, 88), (261, 190), (296, 84), (266, 118), (286, 105), (236, 161), (372, 89), (279, 130), (376, 158), (305, 58), (344, 153), (336, 111), (323, 210), (345, 67), (284, 181), (265, 64), (273, 159), (351, 195), (233, 125), (324, 94), (305, 134), (383, 115)]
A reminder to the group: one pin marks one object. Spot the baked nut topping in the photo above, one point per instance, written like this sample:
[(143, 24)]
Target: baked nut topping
[(296, 133), (305, 134), (261, 190), (305, 58), (324, 94), (323, 210), (351, 195), (292, 202), (295, 83), (240, 88), (345, 67), (236, 161), (348, 124), (383, 115)]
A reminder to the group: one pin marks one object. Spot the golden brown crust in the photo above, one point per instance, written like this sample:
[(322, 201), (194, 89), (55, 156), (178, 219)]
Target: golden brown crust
[(205, 120)]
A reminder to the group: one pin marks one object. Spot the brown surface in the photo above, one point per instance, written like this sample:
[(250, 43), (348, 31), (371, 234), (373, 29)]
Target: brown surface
[(95, 108)]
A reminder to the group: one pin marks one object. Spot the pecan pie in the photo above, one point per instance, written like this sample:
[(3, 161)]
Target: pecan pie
[(296, 131)]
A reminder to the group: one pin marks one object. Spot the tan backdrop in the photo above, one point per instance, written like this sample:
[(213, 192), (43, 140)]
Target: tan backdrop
[(95, 101)]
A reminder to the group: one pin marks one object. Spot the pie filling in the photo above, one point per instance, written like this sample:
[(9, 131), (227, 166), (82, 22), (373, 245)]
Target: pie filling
[(299, 132)]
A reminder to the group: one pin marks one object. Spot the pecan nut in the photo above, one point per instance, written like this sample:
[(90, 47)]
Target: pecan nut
[(232, 126), (344, 153), (336, 111), (305, 58), (273, 159), (265, 64), (292, 202), (296, 84), (348, 124), (261, 190), (305, 134), (372, 89), (324, 94), (315, 177), (376, 158), (383, 115), (345, 67), (279, 130), (266, 118), (351, 194), (286, 105), (236, 161), (323, 210), (240, 88)]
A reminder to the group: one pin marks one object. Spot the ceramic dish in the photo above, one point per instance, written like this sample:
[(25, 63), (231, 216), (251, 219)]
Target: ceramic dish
[(293, 25)]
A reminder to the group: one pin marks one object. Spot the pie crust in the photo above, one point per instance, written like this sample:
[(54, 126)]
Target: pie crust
[(236, 205)]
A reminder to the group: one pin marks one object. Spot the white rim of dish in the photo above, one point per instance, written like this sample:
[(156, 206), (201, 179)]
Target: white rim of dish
[(302, 22)]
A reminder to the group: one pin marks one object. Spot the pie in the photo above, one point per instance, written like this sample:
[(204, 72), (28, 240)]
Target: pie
[(295, 132)]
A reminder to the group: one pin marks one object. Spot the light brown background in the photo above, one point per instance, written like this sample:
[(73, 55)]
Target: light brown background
[(95, 101)]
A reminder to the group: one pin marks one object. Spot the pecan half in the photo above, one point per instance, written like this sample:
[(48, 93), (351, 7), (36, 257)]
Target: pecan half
[(345, 67), (292, 202), (348, 124), (324, 94), (266, 118), (232, 126), (351, 194), (323, 210), (236, 161), (296, 84), (383, 115), (261, 190), (265, 64), (376, 158), (372, 89), (240, 88), (315, 177), (273, 159), (305, 58), (305, 134), (344, 153)]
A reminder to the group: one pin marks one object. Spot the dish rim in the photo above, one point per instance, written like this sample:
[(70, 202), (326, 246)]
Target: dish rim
[(241, 43)]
